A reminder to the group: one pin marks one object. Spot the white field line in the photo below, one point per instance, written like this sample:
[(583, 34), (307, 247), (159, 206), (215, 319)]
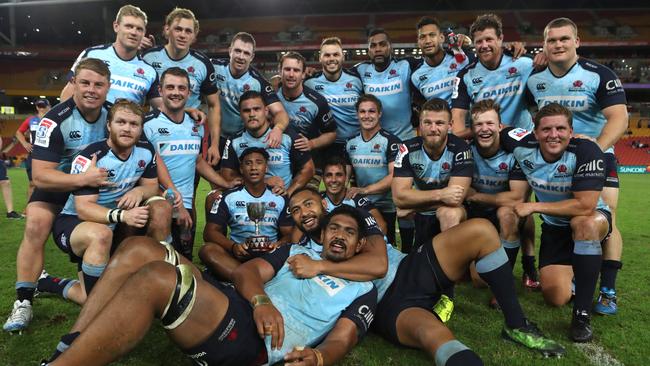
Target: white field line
[(597, 355)]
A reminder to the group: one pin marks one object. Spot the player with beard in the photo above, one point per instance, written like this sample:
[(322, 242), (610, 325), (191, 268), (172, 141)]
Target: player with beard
[(567, 176), (434, 75), (181, 30), (235, 76), (341, 88), (221, 254), (597, 99), (213, 324), (309, 113), (496, 74), (289, 168), (335, 179), (177, 140), (131, 77), (497, 185), (84, 228)]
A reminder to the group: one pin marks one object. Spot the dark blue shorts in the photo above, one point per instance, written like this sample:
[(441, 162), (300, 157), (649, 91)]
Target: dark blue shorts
[(3, 171), (55, 198)]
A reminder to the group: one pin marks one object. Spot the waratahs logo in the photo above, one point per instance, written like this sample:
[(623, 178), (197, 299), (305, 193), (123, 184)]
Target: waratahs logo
[(140, 71), (561, 168), (247, 87), (577, 84), (445, 166), (141, 164), (348, 85), (453, 66), (503, 166), (190, 69), (512, 70), (303, 109)]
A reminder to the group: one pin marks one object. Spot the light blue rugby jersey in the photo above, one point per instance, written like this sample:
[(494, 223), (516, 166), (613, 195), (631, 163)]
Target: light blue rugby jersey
[(505, 84), (63, 133), (309, 114), (369, 160), (124, 174), (231, 88), (492, 174), (284, 160), (132, 79), (437, 81), (581, 168), (198, 67), (341, 95), (586, 89), (311, 307), (229, 210), (413, 161), (393, 88), (179, 145)]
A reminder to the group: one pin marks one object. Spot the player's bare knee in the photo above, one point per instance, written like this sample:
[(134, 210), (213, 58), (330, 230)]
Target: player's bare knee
[(585, 228), (450, 216), (507, 219), (556, 295), (210, 250)]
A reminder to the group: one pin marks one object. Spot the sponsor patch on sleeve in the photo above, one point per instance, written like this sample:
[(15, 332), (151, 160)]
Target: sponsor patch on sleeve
[(44, 132), (518, 133), (79, 165), (401, 153)]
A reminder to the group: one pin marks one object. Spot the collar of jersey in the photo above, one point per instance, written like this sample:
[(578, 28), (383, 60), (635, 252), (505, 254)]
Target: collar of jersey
[(137, 56), (176, 59)]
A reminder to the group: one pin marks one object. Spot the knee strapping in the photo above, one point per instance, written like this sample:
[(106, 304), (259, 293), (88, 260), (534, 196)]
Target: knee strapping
[(447, 350), (171, 255), (182, 299), (492, 261), (153, 199), (587, 247)]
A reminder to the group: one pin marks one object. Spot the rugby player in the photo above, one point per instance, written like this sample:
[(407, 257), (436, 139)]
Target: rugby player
[(441, 167), (214, 324), (309, 113), (371, 155), (223, 254), (597, 99), (61, 134), (341, 87), (335, 178), (496, 74), (131, 77), (235, 76), (181, 29), (31, 123), (496, 184), (567, 176), (84, 228), (177, 140), (289, 168)]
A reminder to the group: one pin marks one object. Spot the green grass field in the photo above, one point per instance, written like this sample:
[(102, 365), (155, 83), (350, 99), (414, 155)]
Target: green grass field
[(623, 336)]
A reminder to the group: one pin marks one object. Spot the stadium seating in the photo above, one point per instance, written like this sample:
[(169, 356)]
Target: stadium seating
[(628, 155)]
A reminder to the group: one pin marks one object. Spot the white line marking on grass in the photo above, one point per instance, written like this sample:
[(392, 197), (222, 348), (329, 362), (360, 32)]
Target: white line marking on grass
[(597, 355)]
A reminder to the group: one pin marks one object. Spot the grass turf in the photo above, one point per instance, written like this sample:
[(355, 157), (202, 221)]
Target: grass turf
[(622, 336)]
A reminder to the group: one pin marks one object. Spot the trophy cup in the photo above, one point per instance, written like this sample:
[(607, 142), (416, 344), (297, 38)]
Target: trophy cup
[(257, 244)]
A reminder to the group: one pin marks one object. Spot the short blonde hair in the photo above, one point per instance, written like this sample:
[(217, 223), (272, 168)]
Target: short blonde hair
[(130, 10)]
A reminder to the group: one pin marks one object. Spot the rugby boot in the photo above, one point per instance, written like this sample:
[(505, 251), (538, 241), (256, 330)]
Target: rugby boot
[(20, 317), (606, 304), (581, 331), (531, 337)]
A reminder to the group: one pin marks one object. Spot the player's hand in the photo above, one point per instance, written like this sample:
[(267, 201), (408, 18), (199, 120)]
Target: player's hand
[(240, 251), (178, 198), (470, 194), (197, 115), (213, 154), (184, 219), (28, 147), (94, 176), (147, 42), (137, 216), (274, 138), (302, 143), (452, 195), (310, 71), (304, 267), (540, 61), (131, 199), (269, 321), (518, 49), (277, 185), (353, 192), (524, 209), (301, 356), (235, 182)]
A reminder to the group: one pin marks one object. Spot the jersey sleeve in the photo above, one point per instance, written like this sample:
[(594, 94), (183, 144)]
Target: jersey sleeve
[(151, 170), (393, 148), (219, 213), (371, 227), (589, 174), (529, 98), (208, 87), (229, 156), (81, 56), (460, 97), (278, 257), (25, 125), (285, 218), (80, 164), (516, 173), (361, 311), (153, 89), (266, 89), (361, 201), (298, 158), (610, 89), (463, 165), (324, 118), (402, 167), (511, 137), (48, 142)]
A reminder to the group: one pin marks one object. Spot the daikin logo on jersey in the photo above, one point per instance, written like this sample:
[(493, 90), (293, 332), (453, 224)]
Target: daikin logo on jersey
[(502, 90), (179, 147), (442, 85), (394, 87), (576, 103)]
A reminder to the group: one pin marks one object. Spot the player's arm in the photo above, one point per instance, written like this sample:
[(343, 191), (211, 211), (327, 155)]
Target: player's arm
[(327, 125), (280, 123), (458, 116), (583, 203), (46, 176), (205, 170), (286, 234), (88, 210), (214, 234), (165, 180), (339, 342), (379, 218), (300, 179), (324, 140), (214, 124), (516, 194), (369, 264), (67, 91), (617, 123), (20, 135)]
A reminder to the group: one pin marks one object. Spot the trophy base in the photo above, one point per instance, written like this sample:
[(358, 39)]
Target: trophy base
[(258, 245)]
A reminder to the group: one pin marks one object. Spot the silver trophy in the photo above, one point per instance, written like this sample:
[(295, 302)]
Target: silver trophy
[(257, 243)]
